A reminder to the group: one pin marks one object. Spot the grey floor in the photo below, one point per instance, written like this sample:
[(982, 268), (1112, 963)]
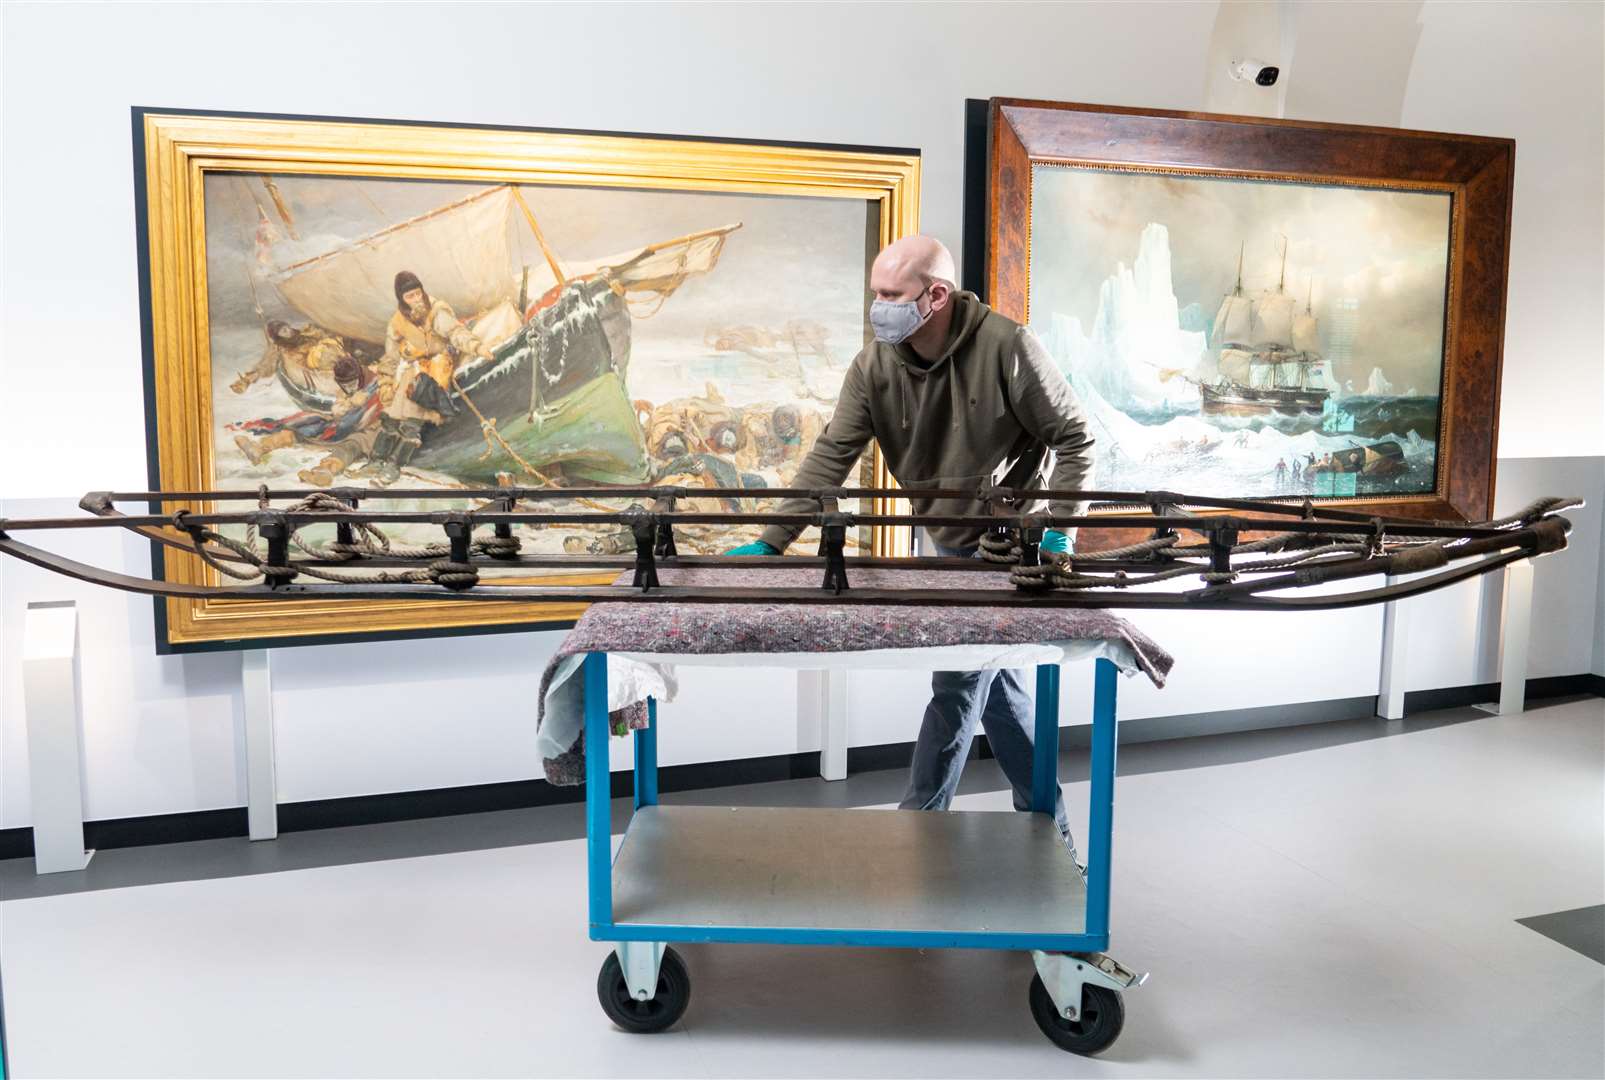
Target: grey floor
[(1340, 900)]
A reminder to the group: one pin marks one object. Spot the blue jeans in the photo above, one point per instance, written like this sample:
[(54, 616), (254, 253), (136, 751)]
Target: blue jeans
[(998, 699)]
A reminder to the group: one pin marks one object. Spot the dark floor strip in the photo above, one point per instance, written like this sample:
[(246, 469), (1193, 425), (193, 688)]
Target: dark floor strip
[(1580, 929)]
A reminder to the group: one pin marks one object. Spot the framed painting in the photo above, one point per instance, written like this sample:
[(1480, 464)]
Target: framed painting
[(1256, 308), (378, 304)]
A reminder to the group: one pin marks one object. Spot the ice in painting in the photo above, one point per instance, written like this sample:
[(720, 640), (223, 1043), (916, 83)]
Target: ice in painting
[(1245, 338), (406, 333)]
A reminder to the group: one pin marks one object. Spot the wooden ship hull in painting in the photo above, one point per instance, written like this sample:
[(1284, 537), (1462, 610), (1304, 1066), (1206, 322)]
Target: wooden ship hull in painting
[(1233, 399)]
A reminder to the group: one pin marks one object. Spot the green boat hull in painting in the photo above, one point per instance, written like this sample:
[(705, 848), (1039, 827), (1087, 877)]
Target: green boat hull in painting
[(591, 434)]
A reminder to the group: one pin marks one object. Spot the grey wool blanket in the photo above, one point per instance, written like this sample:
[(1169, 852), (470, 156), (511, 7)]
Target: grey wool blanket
[(644, 639)]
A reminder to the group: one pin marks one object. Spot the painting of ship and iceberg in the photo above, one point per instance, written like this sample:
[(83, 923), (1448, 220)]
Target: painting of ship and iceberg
[(1246, 337), (383, 332)]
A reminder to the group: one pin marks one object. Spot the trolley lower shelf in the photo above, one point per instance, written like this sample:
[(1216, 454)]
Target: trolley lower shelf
[(959, 873)]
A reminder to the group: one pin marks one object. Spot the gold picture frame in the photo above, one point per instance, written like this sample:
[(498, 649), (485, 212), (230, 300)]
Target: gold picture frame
[(176, 151)]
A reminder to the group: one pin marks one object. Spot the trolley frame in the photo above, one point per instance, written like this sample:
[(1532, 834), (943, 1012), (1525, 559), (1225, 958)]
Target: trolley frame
[(1094, 937)]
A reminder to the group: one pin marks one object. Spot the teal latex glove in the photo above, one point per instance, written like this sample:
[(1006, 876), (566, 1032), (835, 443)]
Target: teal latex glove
[(1055, 541), (757, 547)]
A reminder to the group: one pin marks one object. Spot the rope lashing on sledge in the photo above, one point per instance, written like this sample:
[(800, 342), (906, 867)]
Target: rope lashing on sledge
[(1061, 571), (369, 541)]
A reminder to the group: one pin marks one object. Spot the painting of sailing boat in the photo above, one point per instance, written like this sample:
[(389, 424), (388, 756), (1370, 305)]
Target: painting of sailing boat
[(1245, 337), (401, 333), (385, 307)]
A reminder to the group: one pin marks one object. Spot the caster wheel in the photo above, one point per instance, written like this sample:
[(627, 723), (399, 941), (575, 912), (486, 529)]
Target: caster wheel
[(1103, 1014), (644, 1017)]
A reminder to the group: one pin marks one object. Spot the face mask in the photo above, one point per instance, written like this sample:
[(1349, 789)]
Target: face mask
[(895, 320)]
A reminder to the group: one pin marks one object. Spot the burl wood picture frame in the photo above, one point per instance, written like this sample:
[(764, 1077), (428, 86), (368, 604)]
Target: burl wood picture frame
[(1012, 144)]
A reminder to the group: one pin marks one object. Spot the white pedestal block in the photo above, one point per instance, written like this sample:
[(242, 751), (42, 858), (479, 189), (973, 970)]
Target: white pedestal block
[(261, 774), (822, 695), (833, 750), (1395, 639), (1515, 631), (51, 704)]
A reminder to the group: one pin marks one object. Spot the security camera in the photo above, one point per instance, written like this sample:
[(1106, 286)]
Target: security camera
[(1262, 73)]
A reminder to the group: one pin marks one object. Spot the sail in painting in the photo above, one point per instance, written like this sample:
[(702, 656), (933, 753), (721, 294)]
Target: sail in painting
[(1306, 328), (1234, 320), (465, 251)]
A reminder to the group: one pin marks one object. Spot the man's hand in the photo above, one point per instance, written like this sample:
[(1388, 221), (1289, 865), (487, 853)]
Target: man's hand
[(1055, 541), (757, 547)]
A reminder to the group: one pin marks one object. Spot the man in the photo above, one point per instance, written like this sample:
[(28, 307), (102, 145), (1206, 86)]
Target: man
[(773, 438), (957, 396), (689, 425), (358, 397), (423, 343), (307, 347), (346, 433)]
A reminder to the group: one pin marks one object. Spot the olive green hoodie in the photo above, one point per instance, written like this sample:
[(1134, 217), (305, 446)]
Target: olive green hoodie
[(987, 410)]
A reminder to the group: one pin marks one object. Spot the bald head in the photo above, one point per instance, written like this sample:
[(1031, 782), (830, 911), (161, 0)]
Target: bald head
[(917, 270), (905, 267)]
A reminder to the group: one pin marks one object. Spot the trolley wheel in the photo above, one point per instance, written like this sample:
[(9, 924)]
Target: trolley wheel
[(1103, 1014), (662, 1011)]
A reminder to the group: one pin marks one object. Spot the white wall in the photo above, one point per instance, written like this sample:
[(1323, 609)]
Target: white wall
[(1598, 497), (1533, 72), (163, 731)]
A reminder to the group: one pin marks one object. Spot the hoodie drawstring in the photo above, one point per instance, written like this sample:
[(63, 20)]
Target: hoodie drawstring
[(955, 391)]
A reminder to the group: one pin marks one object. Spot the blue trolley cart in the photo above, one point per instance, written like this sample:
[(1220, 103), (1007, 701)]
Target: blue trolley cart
[(856, 877)]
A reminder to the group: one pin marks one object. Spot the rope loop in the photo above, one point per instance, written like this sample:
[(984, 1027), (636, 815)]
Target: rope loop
[(453, 575), (1000, 547), (499, 547)]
